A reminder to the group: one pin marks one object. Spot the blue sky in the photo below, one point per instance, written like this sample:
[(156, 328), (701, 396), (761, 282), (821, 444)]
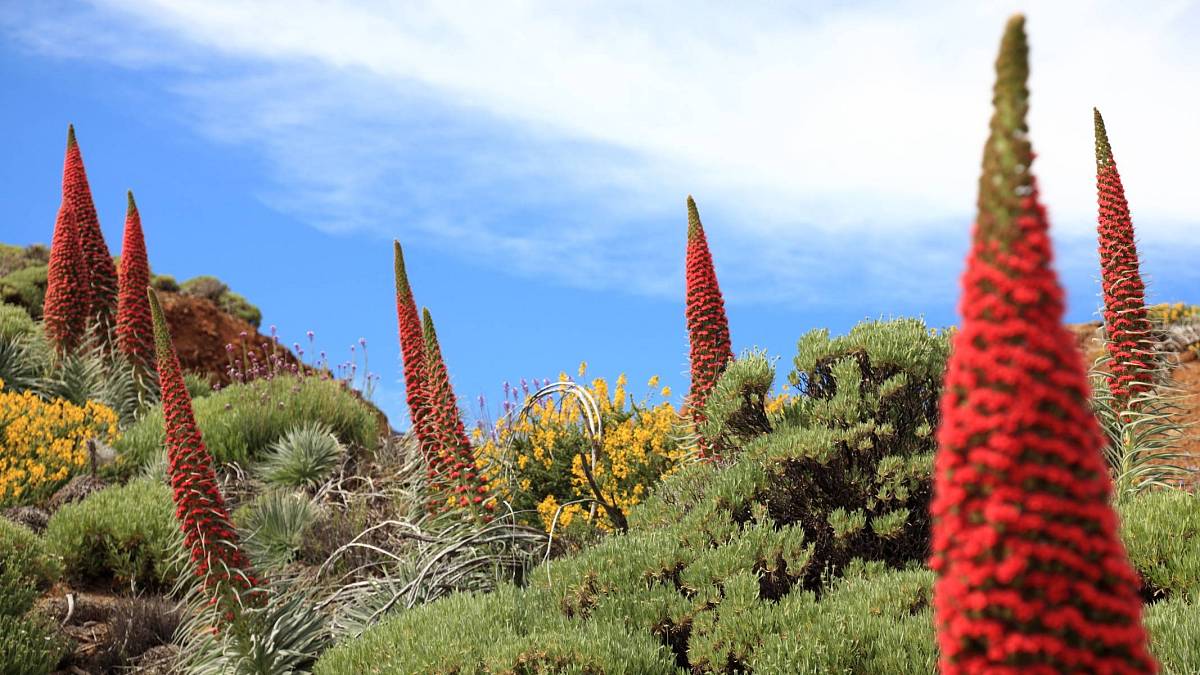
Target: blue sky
[(534, 160)]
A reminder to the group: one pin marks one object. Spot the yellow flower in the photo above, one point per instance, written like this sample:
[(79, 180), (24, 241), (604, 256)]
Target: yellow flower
[(666, 392), (582, 368), (43, 442), (653, 383)]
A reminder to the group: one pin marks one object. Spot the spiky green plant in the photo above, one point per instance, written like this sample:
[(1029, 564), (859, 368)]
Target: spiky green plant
[(273, 526), (304, 457), (23, 359), (284, 637), (1143, 431), (92, 372)]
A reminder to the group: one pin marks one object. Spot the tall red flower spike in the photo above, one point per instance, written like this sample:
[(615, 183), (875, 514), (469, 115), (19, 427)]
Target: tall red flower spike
[(1125, 321), (452, 460), (102, 273), (412, 349), (708, 328), (66, 310), (1031, 576), (217, 559), (135, 326)]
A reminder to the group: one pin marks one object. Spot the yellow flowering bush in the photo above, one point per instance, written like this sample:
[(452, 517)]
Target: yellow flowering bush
[(43, 443), (536, 460), (1168, 313)]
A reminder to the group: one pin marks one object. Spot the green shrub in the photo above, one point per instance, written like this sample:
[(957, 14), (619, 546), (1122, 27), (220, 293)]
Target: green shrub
[(500, 632), (1161, 530), (214, 289), (164, 282), (13, 258), (274, 525), (240, 422), (204, 286), (850, 457), (198, 385), (239, 306), (25, 288), (29, 645), (304, 457), (15, 321), (25, 568), (1174, 627), (127, 533)]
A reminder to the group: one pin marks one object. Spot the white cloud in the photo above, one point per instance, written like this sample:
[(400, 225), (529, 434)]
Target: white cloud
[(795, 128)]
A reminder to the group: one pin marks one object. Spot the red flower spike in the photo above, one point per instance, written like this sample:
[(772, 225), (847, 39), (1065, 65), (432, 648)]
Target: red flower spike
[(66, 308), (1031, 574), (1125, 321), (708, 328), (135, 327), (412, 349), (205, 523), (444, 425), (101, 272)]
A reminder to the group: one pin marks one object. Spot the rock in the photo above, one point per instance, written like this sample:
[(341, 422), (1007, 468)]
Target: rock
[(158, 660), (201, 330), (29, 516), (77, 489)]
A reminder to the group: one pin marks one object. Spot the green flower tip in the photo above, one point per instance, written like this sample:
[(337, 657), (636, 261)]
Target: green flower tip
[(131, 207), (402, 287), (162, 338), (694, 226), (432, 349), (70, 135), (1104, 156), (1007, 156)]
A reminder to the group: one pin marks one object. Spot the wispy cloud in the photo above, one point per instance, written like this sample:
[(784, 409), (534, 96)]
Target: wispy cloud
[(835, 141)]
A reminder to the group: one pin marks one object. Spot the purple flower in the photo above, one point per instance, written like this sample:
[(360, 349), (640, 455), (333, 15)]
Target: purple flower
[(274, 330), (310, 335), (229, 347), (362, 341)]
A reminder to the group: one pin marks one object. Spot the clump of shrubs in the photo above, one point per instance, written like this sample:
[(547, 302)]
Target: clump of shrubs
[(850, 457), (240, 422), (722, 569), (29, 644), (123, 535), (1161, 529), (25, 288), (218, 291)]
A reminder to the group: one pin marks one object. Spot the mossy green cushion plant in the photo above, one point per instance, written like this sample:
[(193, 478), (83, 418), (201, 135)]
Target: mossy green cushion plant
[(125, 533), (29, 642), (240, 422), (508, 631), (25, 568), (1161, 530)]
